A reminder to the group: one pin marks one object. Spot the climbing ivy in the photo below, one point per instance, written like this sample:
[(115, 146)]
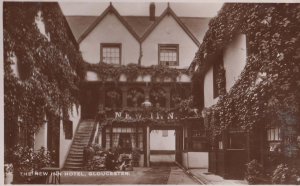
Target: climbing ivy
[(132, 71), (267, 91), (50, 69)]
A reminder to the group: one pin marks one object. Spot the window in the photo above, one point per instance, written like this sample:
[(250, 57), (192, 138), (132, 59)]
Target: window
[(168, 54), (196, 139), (274, 139), (68, 126), (164, 133), (111, 53), (125, 138), (236, 140)]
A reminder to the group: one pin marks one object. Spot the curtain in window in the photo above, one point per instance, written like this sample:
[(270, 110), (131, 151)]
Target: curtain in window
[(133, 141), (116, 138)]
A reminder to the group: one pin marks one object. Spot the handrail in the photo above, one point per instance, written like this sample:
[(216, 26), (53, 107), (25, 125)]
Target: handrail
[(96, 132), (92, 137), (99, 118)]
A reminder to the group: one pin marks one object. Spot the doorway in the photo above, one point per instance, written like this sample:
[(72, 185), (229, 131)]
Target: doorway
[(162, 146)]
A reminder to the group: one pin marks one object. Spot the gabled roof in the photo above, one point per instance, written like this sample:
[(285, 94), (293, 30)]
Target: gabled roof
[(109, 9), (196, 25), (79, 24), (169, 11), (139, 26)]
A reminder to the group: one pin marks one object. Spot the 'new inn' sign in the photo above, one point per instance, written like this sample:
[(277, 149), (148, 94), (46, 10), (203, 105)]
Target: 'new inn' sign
[(151, 115)]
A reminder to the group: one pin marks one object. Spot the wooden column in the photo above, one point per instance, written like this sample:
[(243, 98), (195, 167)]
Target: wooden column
[(111, 136), (148, 146), (101, 94), (124, 97), (168, 97)]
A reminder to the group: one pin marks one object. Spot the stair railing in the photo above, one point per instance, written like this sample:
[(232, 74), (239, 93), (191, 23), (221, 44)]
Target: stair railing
[(99, 118), (94, 133)]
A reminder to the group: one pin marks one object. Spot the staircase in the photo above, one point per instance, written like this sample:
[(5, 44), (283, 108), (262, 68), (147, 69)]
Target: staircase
[(81, 139)]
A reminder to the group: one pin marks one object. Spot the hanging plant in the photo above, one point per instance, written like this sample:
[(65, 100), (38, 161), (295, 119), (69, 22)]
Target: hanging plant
[(132, 71)]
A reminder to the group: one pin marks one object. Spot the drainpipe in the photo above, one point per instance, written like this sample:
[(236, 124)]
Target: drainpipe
[(187, 160), (141, 55)]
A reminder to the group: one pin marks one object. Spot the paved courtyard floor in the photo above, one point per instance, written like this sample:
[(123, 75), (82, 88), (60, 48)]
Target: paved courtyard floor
[(140, 175)]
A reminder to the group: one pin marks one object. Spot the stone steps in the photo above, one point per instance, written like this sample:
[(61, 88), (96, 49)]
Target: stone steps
[(81, 139)]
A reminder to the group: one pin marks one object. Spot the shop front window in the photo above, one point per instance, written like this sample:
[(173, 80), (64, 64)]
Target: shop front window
[(125, 138), (274, 139)]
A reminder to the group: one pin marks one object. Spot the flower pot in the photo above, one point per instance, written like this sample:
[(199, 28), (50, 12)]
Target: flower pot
[(8, 178)]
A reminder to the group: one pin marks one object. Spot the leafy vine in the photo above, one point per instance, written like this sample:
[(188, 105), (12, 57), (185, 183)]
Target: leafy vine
[(267, 91), (49, 70)]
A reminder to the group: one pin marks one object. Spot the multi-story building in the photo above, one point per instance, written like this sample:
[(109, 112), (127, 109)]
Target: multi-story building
[(35, 52), (136, 72), (246, 66)]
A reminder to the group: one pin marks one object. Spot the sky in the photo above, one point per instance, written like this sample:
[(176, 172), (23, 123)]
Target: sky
[(130, 7)]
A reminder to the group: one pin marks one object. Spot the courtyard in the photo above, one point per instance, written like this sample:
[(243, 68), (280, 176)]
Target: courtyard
[(166, 174)]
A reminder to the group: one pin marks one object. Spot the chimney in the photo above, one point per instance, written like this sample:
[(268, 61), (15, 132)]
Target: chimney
[(152, 12)]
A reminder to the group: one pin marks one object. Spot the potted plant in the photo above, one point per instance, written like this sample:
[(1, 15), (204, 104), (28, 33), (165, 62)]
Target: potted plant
[(255, 173), (8, 173), (25, 162), (284, 174), (136, 155)]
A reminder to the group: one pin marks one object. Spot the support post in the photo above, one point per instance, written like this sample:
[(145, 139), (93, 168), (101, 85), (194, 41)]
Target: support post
[(148, 146), (168, 96), (124, 97)]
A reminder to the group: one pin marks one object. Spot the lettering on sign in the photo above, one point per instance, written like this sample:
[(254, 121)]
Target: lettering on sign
[(157, 116)]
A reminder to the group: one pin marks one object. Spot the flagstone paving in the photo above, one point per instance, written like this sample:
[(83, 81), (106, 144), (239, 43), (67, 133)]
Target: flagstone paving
[(140, 175)]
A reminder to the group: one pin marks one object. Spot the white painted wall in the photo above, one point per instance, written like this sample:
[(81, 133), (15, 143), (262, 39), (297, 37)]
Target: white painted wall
[(110, 30), (40, 137), (209, 99), (14, 64), (162, 158), (168, 32), (195, 160), (65, 144), (234, 57), (39, 21), (92, 76), (157, 142)]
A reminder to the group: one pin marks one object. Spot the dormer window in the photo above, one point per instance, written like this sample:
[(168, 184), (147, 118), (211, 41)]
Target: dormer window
[(111, 53), (168, 54)]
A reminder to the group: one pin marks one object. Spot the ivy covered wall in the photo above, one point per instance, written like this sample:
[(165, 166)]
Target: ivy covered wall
[(267, 91), (49, 64)]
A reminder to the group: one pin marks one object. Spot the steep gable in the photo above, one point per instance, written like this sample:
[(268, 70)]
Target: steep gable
[(169, 11), (108, 10), (79, 24)]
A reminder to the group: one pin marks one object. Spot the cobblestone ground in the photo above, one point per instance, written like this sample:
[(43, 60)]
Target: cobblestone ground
[(140, 175)]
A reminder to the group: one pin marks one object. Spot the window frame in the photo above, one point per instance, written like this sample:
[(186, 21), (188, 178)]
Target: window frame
[(190, 139), (115, 45), (276, 140), (68, 126), (138, 133), (162, 46)]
